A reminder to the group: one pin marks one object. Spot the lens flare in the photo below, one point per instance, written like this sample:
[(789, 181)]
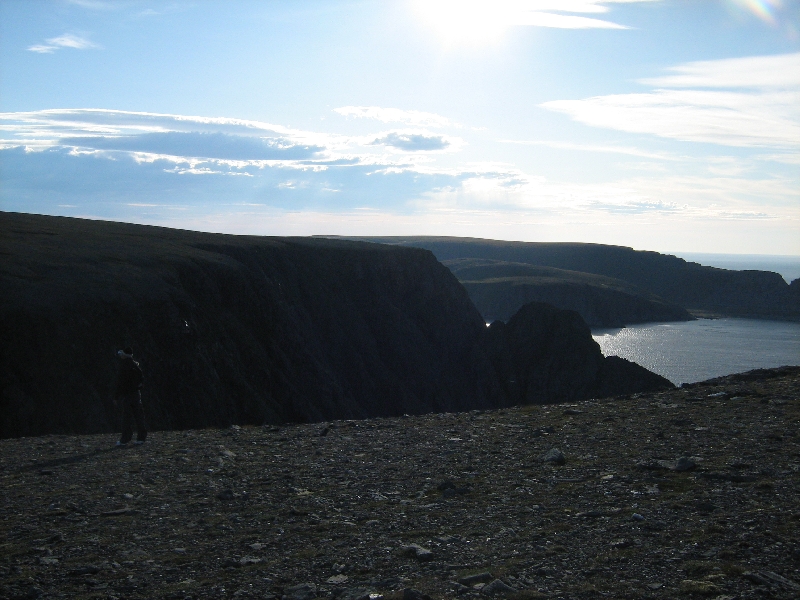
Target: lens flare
[(763, 9)]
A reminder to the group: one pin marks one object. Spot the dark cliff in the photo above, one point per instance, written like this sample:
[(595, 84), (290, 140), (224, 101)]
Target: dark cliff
[(692, 286), (227, 328), (244, 329), (544, 354), (498, 290)]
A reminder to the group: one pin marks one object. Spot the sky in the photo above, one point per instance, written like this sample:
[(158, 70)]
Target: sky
[(666, 125)]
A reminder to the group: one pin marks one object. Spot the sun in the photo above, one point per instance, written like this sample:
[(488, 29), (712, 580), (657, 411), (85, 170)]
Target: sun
[(473, 22)]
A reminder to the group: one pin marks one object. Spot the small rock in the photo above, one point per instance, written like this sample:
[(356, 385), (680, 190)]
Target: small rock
[(412, 594), (85, 570), (303, 591), (473, 579), (554, 456), (779, 579), (417, 551), (620, 544), (655, 586), (225, 495), (637, 517), (497, 588), (684, 463), (337, 579), (322, 432), (459, 588)]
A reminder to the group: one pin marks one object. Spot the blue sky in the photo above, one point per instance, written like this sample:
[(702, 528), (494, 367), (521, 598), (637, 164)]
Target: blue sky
[(668, 125)]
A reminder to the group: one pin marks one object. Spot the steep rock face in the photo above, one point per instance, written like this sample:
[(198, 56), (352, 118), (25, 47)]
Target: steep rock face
[(690, 285), (499, 289), (547, 355), (240, 329), (227, 328)]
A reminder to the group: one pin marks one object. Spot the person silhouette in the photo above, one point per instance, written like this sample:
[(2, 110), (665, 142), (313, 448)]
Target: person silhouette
[(129, 391)]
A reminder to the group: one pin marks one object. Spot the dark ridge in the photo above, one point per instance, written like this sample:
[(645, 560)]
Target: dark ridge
[(498, 290), (698, 288)]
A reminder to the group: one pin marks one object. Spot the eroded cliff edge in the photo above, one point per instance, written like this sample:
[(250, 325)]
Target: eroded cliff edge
[(229, 329)]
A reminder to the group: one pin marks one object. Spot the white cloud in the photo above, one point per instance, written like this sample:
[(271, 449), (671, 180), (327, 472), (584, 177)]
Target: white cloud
[(395, 115), (559, 21), (68, 40), (483, 20), (413, 141), (777, 71), (767, 114), (151, 167)]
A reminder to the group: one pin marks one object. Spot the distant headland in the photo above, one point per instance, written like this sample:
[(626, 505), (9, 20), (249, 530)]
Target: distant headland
[(608, 285)]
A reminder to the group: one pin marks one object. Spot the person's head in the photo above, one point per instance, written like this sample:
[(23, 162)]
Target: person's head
[(126, 353)]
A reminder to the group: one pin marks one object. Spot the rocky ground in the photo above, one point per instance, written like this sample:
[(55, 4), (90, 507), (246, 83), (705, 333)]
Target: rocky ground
[(689, 492)]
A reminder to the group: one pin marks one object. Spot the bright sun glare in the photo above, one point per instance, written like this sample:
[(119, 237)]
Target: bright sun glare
[(465, 21)]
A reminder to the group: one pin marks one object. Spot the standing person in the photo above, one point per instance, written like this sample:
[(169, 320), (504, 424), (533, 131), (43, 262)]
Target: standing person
[(129, 386)]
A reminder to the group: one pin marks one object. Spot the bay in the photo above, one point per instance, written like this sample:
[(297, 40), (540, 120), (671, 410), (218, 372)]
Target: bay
[(690, 351)]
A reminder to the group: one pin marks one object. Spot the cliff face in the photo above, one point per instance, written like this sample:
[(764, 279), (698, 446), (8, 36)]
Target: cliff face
[(689, 285), (227, 329), (247, 330), (544, 354), (499, 289)]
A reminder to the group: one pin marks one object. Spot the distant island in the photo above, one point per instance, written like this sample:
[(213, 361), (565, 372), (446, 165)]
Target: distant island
[(252, 330), (608, 285)]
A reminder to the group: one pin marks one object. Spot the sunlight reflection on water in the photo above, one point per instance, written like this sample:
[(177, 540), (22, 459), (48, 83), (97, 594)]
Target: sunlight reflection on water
[(686, 352)]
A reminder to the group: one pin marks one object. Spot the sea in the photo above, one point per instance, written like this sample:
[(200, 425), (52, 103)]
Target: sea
[(685, 352), (690, 351)]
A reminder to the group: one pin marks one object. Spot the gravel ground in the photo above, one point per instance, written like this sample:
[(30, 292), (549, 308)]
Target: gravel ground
[(686, 493)]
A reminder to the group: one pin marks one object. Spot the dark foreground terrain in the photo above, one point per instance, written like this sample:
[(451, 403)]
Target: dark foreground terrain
[(689, 492)]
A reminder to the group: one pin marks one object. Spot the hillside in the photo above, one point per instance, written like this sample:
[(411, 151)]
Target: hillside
[(238, 329), (499, 289), (696, 288), (685, 493)]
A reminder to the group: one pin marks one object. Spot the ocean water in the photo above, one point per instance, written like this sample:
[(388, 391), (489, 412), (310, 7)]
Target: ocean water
[(685, 352)]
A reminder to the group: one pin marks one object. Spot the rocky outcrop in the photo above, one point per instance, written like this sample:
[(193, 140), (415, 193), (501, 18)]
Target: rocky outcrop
[(695, 287), (498, 290), (544, 354)]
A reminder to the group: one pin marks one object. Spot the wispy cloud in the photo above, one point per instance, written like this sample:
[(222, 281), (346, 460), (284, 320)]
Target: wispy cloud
[(395, 115), (413, 142), (95, 4), (755, 72), (472, 20), (68, 40), (767, 114), (224, 174)]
